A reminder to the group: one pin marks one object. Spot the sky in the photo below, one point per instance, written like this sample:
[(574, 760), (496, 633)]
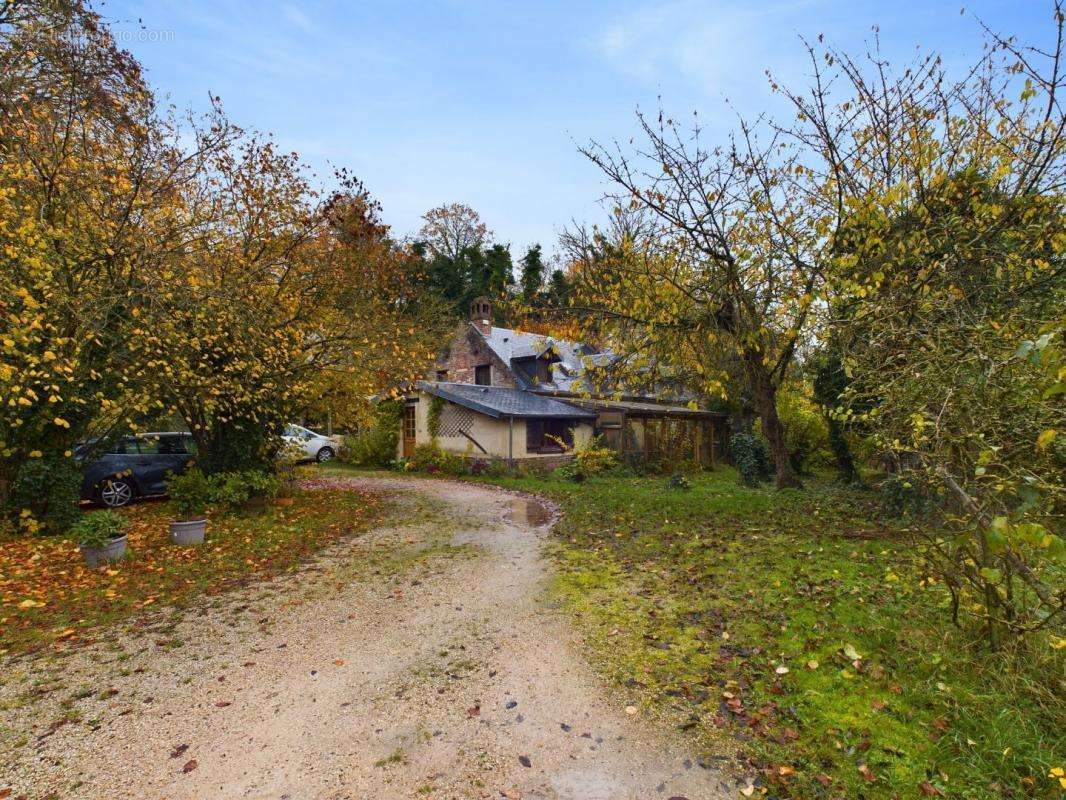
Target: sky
[(485, 103)]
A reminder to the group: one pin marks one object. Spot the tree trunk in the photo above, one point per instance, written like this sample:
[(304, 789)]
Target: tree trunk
[(774, 431), (838, 443)]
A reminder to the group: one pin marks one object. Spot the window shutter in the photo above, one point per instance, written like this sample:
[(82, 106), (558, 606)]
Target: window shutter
[(534, 435)]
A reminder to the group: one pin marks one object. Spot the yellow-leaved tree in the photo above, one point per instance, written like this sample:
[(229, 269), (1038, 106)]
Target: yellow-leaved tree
[(284, 300), (88, 181)]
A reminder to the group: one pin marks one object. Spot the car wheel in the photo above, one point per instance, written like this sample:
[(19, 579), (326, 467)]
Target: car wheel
[(115, 493), (325, 454)]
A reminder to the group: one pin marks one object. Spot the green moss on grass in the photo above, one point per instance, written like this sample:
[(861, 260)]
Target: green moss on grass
[(703, 598)]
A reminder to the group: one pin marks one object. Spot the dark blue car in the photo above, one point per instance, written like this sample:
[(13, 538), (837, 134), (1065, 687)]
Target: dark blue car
[(134, 466)]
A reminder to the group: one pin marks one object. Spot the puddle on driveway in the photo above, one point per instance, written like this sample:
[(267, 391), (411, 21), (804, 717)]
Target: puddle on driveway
[(529, 512)]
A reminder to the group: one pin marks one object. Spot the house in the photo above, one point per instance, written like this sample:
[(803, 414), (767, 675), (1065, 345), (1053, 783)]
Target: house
[(497, 393)]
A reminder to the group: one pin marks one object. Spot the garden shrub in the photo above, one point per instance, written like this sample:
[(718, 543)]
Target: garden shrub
[(679, 481), (591, 458), (287, 465), (190, 493), (51, 486), (496, 468), (234, 489), (900, 496), (751, 457), (479, 466), (806, 432), (375, 446), (430, 458), (595, 457), (569, 472)]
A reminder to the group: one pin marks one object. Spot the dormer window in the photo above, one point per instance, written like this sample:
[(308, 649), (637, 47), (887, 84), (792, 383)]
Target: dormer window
[(544, 371)]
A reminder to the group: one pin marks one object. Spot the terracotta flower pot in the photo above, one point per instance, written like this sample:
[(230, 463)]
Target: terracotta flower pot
[(188, 531), (255, 504)]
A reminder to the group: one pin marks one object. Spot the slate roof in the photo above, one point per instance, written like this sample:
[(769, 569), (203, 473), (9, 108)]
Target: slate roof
[(566, 376), (500, 401), (637, 408), (569, 374)]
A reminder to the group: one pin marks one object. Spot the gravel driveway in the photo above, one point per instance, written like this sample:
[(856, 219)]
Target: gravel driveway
[(444, 676)]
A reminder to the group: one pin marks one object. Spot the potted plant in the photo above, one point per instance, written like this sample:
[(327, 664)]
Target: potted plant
[(260, 487), (287, 464), (101, 537), (190, 494), (247, 490), (286, 490)]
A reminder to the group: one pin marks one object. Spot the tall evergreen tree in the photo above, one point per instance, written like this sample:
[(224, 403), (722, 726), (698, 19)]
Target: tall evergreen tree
[(559, 289), (532, 273)]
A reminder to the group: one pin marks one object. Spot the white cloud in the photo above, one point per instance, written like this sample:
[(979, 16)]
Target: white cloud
[(717, 47), (298, 18)]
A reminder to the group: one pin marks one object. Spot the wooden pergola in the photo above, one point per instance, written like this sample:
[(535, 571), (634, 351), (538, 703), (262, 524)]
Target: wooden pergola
[(659, 432)]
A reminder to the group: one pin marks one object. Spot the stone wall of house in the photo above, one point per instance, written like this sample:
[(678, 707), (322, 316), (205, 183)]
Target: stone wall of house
[(542, 465), (463, 354), (496, 436)]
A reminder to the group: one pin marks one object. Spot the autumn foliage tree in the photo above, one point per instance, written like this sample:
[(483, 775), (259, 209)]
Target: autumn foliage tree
[(150, 266), (281, 287), (450, 230), (912, 223), (720, 272), (390, 323), (945, 287), (88, 181)]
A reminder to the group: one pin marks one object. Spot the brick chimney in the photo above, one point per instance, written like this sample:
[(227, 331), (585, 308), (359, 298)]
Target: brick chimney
[(481, 315)]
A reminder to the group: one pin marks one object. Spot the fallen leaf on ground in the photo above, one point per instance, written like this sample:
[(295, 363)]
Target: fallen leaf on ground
[(190, 765), (179, 750), (223, 704), (524, 761)]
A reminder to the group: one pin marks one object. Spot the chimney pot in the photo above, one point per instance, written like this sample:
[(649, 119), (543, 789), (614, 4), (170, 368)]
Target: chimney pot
[(481, 315)]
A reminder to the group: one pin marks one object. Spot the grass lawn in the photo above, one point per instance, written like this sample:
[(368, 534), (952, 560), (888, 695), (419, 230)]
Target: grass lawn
[(796, 626), (48, 597)]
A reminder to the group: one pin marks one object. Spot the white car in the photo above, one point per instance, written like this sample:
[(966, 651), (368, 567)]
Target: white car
[(314, 445)]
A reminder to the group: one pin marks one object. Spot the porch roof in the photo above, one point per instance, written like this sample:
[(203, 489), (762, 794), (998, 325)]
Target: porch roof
[(636, 408), (501, 402)]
